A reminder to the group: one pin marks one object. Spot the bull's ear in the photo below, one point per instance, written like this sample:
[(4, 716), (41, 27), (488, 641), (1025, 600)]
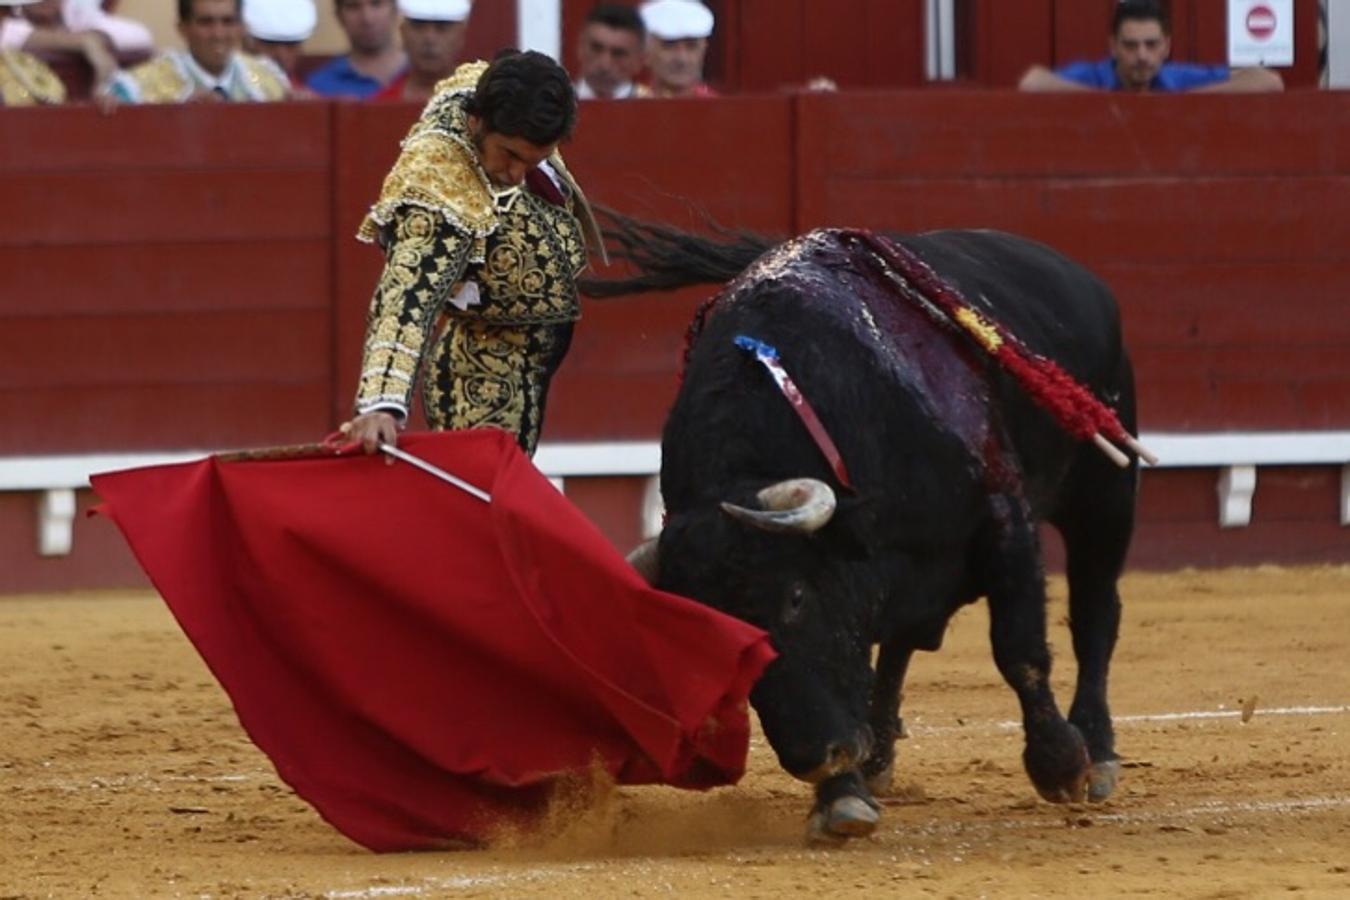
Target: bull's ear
[(852, 531)]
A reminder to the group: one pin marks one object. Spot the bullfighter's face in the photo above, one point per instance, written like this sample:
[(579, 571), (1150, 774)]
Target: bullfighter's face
[(506, 159)]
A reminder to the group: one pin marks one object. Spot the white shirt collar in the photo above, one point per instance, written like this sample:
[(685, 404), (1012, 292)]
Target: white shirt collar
[(205, 79), (586, 92)]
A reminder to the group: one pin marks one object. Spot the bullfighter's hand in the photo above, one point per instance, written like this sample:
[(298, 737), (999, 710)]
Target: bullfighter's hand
[(372, 429)]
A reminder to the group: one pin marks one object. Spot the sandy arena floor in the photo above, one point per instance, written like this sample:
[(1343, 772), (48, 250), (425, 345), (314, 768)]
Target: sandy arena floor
[(123, 773)]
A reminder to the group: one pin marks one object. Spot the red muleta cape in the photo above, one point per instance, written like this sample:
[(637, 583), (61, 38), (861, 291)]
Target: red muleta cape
[(422, 666)]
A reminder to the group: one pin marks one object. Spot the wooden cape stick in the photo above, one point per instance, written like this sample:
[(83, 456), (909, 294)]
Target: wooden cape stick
[(326, 448)]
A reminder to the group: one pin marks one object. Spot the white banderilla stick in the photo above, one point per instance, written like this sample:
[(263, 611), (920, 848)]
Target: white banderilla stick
[(439, 473)]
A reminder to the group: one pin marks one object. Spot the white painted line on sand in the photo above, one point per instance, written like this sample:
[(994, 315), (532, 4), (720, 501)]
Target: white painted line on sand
[(919, 728), (437, 886)]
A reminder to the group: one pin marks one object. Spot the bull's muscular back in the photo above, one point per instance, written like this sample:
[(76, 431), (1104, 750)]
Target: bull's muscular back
[(919, 414), (1059, 310)]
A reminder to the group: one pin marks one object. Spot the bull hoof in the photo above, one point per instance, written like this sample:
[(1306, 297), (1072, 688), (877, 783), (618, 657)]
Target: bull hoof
[(1102, 780), (1057, 761), (847, 817)]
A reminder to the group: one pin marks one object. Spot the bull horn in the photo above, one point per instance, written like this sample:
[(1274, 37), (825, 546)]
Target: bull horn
[(800, 505), (646, 558)]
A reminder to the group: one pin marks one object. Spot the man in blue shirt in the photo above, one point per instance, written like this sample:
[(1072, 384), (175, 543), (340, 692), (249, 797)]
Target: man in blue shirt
[(1140, 43), (375, 58)]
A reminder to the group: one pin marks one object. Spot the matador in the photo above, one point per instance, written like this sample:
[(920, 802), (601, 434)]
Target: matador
[(482, 228)]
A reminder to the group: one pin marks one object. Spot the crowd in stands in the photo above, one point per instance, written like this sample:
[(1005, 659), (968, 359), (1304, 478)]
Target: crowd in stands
[(398, 50)]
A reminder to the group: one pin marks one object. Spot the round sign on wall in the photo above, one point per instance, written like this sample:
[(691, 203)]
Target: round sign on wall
[(1261, 22)]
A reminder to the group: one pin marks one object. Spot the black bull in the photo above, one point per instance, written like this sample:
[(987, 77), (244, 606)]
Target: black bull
[(952, 467)]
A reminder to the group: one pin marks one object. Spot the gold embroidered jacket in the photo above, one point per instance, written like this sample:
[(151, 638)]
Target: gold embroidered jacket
[(174, 77), (26, 80), (508, 258)]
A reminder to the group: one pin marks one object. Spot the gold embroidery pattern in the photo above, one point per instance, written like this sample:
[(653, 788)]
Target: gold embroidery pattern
[(438, 169), (436, 174), (424, 260), (264, 78), (159, 81), (531, 266), (26, 80), (483, 376)]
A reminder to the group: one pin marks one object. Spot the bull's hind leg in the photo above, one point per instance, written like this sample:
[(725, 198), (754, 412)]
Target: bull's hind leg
[(1055, 756), (1096, 523), (884, 714)]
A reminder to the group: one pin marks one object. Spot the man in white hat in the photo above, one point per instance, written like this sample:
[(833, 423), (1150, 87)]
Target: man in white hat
[(278, 29), (375, 58), (211, 67), (677, 42), (25, 80), (433, 36)]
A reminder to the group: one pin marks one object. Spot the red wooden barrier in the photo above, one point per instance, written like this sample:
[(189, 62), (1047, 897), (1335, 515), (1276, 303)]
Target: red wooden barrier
[(186, 276), (1199, 213), (164, 279)]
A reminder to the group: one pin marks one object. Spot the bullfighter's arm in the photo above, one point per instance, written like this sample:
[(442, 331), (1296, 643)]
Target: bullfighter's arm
[(425, 256)]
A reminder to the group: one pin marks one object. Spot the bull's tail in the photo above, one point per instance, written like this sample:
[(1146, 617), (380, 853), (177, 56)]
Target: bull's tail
[(667, 258)]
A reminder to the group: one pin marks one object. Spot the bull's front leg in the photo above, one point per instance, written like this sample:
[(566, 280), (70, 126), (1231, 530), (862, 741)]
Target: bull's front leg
[(844, 809), (1056, 757), (884, 714)]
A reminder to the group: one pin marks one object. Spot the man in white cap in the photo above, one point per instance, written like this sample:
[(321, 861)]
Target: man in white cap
[(677, 42), (375, 58), (25, 80), (278, 30), (211, 68), (433, 36)]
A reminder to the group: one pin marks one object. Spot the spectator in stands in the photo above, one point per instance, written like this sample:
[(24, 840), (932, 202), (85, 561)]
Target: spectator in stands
[(278, 29), (433, 36), (211, 68), (375, 58), (25, 80), (609, 50), (80, 27), (1140, 42), (677, 42), (482, 224)]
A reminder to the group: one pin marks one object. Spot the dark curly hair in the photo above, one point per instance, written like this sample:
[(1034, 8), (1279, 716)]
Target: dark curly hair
[(526, 95), (1140, 11), (186, 12)]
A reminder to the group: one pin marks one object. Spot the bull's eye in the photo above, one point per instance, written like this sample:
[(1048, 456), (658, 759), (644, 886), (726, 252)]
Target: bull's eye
[(795, 604)]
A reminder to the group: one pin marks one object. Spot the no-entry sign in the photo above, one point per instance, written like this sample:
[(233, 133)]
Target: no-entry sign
[(1260, 32)]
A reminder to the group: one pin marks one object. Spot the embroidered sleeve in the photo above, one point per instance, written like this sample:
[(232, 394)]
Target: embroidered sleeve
[(424, 258)]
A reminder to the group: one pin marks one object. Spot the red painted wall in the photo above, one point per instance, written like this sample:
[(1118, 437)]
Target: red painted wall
[(1207, 219), (185, 277), (1002, 39), (164, 277), (768, 45), (491, 27)]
